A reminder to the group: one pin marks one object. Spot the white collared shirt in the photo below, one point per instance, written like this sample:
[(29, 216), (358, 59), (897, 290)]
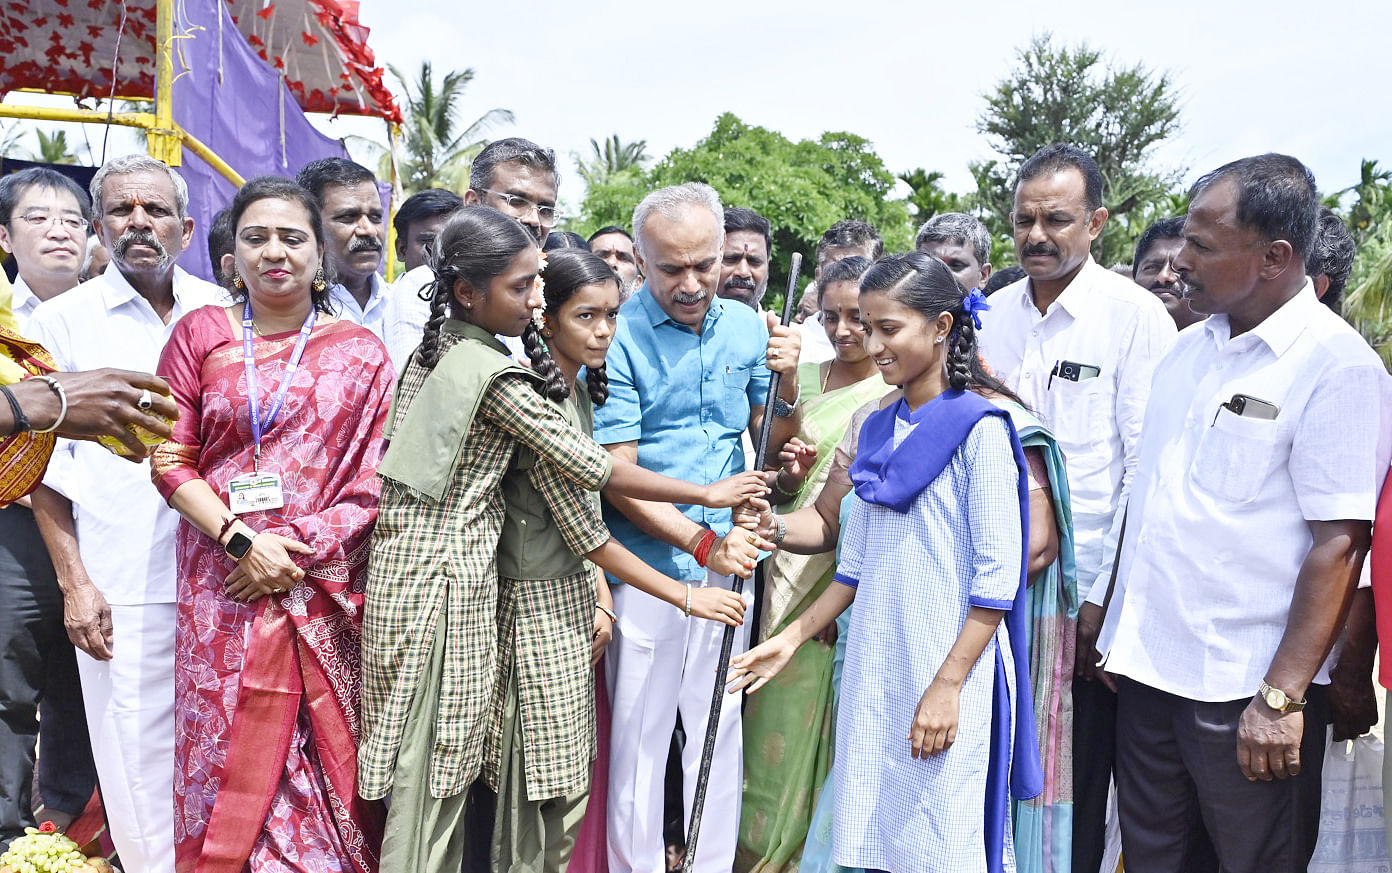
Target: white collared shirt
[(406, 314), (1103, 321), (1216, 531), (816, 348), (23, 302), (373, 316), (125, 532)]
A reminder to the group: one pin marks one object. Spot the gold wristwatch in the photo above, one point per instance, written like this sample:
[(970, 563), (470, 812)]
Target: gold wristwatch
[(1278, 699)]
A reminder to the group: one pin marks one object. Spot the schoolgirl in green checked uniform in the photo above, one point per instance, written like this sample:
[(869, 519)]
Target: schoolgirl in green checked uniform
[(429, 651)]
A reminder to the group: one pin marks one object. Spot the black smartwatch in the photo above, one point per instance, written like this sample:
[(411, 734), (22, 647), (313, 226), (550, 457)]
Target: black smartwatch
[(238, 546)]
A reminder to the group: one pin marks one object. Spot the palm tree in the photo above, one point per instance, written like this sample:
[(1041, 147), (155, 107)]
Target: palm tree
[(437, 153), (612, 157), (53, 149)]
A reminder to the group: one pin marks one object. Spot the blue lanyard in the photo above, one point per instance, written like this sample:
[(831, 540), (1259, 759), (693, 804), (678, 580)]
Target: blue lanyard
[(259, 426)]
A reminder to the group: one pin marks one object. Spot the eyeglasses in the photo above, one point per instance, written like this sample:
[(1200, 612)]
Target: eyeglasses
[(546, 215), (38, 220)]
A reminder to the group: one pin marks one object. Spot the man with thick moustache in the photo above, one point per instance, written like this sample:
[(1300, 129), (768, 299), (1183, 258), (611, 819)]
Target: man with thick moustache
[(688, 374), (1078, 343), (1153, 269), (355, 238), (110, 535), (744, 268)]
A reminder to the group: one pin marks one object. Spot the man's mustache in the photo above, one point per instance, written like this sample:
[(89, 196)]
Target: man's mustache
[(1036, 251), (364, 244), (140, 237), (742, 283)]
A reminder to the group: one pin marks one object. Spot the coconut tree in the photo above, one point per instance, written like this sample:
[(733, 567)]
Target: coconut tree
[(53, 148), (612, 157), (437, 152)]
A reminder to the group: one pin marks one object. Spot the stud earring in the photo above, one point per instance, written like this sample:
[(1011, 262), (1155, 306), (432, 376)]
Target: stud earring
[(320, 283), (938, 341)]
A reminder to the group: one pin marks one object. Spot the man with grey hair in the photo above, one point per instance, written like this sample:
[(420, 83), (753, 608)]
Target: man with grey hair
[(961, 242), (518, 178), (688, 376), (110, 535)]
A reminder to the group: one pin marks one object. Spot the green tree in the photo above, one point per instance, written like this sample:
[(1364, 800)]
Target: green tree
[(614, 156), (1368, 297), (436, 152), (1117, 114), (802, 188), (929, 198), (53, 148)]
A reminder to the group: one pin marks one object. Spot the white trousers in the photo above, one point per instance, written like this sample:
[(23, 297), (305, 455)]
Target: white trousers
[(130, 716), (661, 663)]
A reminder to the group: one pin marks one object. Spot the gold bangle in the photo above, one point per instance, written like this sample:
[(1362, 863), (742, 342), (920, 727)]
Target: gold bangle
[(688, 601)]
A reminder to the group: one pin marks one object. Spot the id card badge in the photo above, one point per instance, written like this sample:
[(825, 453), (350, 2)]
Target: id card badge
[(254, 492)]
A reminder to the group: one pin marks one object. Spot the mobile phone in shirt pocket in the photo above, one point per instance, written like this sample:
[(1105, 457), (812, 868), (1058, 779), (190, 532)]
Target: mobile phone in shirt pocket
[(1079, 411), (1234, 456)]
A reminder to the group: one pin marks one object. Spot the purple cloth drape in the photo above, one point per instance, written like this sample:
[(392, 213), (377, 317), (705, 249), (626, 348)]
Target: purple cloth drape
[(238, 105)]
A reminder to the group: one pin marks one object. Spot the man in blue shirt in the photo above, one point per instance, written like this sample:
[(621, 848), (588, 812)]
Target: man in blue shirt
[(688, 374)]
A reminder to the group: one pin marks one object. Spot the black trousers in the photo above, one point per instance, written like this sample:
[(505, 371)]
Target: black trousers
[(1094, 755), (1185, 805), (38, 675)]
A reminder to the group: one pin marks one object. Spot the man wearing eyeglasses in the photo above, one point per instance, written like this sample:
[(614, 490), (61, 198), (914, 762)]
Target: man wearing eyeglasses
[(517, 177), (44, 219)]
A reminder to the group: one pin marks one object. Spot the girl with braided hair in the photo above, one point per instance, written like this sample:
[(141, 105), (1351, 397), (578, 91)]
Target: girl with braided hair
[(461, 414), (935, 731)]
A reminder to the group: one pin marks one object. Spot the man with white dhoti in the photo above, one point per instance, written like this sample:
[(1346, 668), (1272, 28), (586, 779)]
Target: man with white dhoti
[(110, 535)]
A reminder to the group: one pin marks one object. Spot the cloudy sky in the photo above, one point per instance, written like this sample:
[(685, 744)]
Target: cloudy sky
[(1310, 79)]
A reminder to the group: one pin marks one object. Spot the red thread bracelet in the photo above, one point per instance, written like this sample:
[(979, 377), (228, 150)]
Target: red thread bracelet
[(702, 550), (226, 526)]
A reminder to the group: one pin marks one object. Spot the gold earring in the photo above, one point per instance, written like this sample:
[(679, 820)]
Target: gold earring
[(237, 282), (320, 283)]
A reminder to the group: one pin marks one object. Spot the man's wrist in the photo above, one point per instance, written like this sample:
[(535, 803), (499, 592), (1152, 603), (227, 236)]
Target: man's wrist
[(39, 402)]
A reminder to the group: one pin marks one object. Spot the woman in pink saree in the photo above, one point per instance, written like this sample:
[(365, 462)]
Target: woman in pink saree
[(273, 468)]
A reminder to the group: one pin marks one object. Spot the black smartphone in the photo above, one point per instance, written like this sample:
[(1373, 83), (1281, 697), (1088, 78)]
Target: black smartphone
[(1073, 372)]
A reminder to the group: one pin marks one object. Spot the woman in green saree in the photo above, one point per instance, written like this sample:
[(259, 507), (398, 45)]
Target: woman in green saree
[(787, 727)]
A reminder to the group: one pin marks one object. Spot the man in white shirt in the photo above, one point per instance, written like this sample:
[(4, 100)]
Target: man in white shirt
[(515, 176), (44, 217), (1266, 441), (110, 535), (355, 235), (1078, 343)]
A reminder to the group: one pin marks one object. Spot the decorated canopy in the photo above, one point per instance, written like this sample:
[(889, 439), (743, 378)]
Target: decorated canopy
[(75, 47)]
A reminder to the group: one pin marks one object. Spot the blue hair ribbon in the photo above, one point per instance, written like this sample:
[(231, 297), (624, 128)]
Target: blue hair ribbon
[(973, 303)]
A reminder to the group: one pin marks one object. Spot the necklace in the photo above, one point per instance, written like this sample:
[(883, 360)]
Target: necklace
[(826, 377)]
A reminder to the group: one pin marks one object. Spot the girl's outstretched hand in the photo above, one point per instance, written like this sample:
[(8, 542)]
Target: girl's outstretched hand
[(935, 723), (717, 604), (753, 669), (735, 490)]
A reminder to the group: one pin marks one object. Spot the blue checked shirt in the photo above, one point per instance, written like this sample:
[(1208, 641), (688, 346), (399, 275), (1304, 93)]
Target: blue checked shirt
[(685, 398)]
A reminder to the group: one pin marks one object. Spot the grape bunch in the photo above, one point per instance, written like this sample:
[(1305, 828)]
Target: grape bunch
[(43, 851)]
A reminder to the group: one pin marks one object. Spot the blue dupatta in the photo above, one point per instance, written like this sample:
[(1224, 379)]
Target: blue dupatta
[(893, 476)]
